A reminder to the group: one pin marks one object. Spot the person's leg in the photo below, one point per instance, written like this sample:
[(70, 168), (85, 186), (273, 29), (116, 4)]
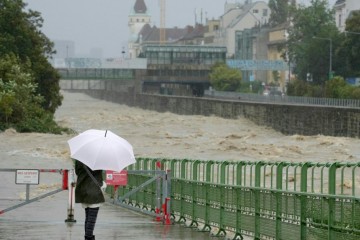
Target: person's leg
[(86, 217), (90, 220)]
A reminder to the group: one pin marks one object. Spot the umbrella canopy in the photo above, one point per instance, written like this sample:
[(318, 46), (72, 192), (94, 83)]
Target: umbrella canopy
[(102, 150)]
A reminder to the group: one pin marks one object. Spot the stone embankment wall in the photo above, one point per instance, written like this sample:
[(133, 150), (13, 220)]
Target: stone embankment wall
[(288, 119)]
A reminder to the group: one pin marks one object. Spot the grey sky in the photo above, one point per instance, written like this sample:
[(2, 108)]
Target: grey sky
[(103, 23)]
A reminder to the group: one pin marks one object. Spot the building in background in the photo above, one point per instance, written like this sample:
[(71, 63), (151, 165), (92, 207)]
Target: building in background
[(343, 10), (180, 69), (281, 74), (239, 16), (138, 18), (212, 27)]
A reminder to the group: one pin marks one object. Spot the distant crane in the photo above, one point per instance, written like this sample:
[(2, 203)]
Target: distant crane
[(162, 21)]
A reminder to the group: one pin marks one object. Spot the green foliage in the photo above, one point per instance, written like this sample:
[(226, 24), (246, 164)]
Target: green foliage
[(297, 88), (279, 11), (20, 105), (355, 94), (338, 88), (315, 91), (309, 54), (224, 78), (276, 76), (251, 87), (334, 88), (20, 35), (40, 121), (347, 54), (29, 85)]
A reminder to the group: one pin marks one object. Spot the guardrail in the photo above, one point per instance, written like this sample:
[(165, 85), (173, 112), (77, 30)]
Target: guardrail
[(264, 200), (353, 103)]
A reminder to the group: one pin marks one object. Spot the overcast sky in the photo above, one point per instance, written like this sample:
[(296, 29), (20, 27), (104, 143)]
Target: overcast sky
[(104, 23)]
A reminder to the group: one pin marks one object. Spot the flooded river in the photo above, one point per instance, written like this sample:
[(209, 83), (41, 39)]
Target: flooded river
[(167, 135)]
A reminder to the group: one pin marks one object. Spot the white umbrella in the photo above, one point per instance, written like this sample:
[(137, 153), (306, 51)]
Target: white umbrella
[(102, 149)]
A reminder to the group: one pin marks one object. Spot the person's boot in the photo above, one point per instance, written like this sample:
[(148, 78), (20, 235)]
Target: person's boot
[(90, 238)]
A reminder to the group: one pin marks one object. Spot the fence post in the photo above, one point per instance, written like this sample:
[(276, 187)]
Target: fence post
[(195, 168), (332, 192), (70, 180), (65, 179), (257, 199), (279, 176), (303, 200), (239, 169), (167, 194), (158, 194), (208, 170), (223, 172)]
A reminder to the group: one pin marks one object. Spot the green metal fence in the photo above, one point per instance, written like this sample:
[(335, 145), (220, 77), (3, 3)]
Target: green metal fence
[(264, 200)]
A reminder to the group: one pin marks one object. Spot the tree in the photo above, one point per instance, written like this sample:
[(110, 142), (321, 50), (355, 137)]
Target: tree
[(309, 54), (348, 52), (338, 88), (29, 85), (20, 35), (279, 11), (20, 105), (224, 78)]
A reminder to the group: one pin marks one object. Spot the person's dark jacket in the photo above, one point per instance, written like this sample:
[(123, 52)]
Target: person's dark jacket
[(87, 191)]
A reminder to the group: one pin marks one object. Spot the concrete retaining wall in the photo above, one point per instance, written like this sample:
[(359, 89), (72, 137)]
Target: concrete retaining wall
[(288, 119)]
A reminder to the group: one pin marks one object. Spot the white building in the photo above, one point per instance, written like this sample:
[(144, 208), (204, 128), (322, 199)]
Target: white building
[(239, 16), (343, 9), (137, 19)]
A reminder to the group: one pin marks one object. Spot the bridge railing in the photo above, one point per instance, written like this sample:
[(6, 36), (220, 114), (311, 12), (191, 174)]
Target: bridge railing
[(96, 73), (353, 103), (272, 200)]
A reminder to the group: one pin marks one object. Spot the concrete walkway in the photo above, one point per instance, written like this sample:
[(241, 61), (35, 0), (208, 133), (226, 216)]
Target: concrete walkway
[(45, 219)]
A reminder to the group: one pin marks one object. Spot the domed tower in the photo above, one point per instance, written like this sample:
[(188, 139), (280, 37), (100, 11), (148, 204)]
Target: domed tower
[(137, 19)]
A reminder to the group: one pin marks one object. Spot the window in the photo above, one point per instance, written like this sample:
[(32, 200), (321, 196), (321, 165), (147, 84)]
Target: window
[(265, 12), (339, 20), (255, 11)]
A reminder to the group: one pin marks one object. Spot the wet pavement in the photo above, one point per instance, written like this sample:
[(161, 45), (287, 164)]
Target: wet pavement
[(45, 219)]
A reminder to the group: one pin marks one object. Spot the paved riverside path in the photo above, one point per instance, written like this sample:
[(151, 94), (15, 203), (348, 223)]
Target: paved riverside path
[(45, 219)]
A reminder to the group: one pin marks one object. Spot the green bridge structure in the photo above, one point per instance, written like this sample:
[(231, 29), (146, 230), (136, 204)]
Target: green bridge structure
[(263, 200)]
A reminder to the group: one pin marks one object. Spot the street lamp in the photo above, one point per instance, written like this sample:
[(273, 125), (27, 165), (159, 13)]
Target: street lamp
[(330, 40)]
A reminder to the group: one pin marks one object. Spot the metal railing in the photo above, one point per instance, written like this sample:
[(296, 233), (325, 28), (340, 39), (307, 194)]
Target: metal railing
[(353, 103), (264, 200), (96, 73), (28, 177), (147, 191)]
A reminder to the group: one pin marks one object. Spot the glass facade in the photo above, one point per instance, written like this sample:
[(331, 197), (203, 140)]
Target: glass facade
[(244, 44), (244, 48), (96, 73), (183, 54)]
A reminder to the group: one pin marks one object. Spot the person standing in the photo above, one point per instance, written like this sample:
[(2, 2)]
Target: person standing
[(89, 192)]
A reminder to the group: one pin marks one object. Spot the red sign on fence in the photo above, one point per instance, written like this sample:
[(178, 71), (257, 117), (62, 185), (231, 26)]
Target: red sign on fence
[(116, 178)]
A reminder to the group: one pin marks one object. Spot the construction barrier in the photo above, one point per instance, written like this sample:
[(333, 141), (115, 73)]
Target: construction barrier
[(30, 177), (147, 191), (263, 200)]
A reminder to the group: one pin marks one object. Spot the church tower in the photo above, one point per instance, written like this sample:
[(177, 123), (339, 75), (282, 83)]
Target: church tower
[(137, 19)]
